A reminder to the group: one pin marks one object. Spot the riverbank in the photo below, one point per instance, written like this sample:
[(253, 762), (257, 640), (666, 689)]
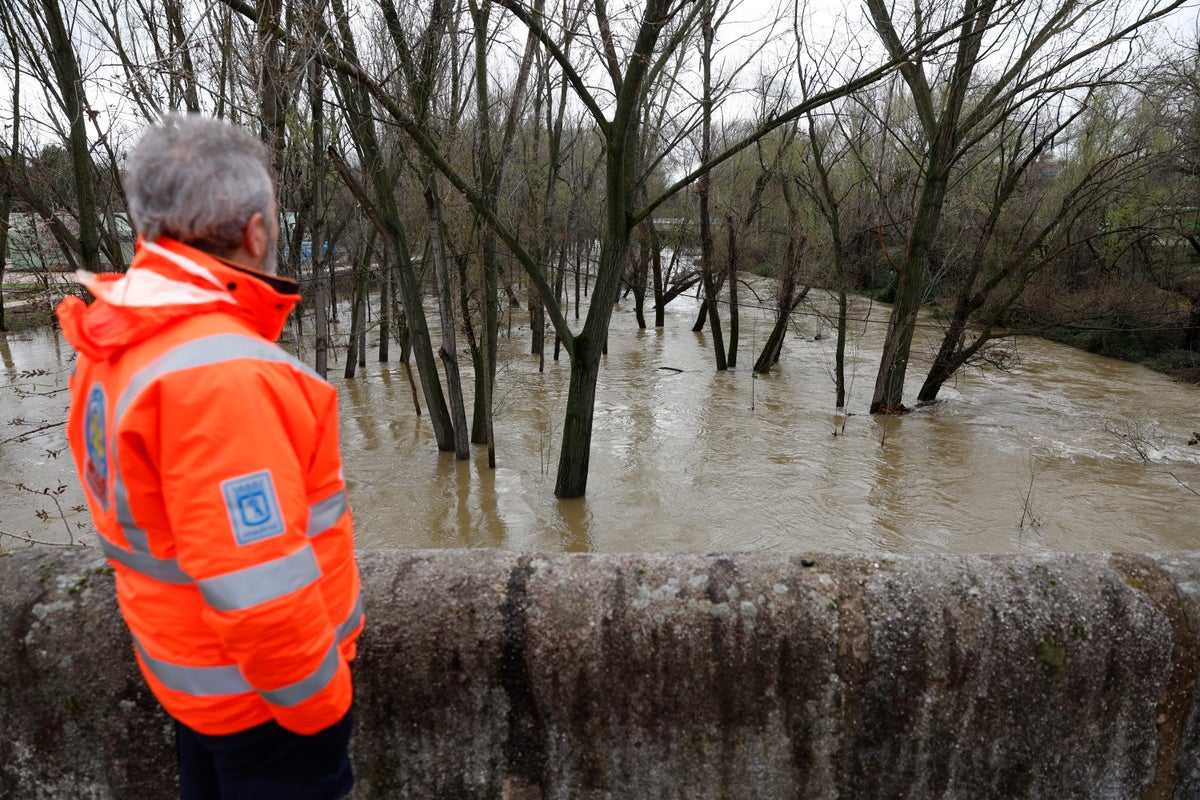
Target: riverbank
[(30, 298), (1139, 324), (1137, 347)]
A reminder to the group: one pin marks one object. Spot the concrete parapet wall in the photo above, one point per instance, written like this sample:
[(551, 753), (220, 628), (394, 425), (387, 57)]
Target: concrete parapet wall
[(491, 674)]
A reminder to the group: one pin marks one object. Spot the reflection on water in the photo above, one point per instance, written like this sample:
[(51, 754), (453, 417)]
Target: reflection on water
[(40, 500), (1090, 454)]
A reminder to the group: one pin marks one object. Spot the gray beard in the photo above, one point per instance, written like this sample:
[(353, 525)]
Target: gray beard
[(270, 263)]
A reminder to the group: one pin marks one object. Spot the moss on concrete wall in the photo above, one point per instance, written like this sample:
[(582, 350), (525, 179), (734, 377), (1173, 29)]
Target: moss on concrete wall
[(489, 674)]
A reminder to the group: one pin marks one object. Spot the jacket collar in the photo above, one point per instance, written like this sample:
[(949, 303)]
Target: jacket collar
[(169, 281), (280, 284), (169, 273)]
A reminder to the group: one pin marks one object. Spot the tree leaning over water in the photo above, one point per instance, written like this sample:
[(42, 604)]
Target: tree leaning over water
[(1024, 227), (959, 95)]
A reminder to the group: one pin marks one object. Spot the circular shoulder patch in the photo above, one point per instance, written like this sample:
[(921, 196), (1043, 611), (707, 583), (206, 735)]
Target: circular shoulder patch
[(95, 437)]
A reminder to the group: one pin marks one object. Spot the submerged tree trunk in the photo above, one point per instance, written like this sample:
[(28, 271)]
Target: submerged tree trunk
[(660, 300), (319, 272), (448, 349), (839, 365), (491, 169), (790, 296), (383, 207), (639, 274), (357, 319), (6, 195), (733, 294), (321, 319), (418, 66), (485, 374), (537, 330), (707, 267), (362, 329), (575, 454), (560, 287), (942, 129), (910, 296), (385, 313)]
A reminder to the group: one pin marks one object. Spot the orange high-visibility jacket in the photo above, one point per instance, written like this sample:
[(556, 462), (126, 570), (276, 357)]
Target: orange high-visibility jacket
[(211, 465)]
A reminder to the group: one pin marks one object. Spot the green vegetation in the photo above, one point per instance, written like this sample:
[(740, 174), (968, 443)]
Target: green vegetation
[(1053, 654)]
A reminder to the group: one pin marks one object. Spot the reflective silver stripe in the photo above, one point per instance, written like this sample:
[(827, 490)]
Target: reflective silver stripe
[(227, 679), (137, 537), (351, 623), (196, 353), (324, 515), (197, 681), (166, 570), (248, 587), (305, 688)]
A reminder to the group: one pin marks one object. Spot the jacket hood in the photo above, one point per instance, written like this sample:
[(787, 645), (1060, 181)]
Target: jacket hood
[(168, 281)]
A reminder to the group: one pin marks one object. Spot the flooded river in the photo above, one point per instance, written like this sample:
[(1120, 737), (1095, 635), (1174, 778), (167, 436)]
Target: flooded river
[(1065, 452)]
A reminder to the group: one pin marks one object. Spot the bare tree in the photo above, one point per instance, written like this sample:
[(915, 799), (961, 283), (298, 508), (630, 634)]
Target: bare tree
[(789, 293), (419, 63), (185, 76), (380, 202), (492, 159), (320, 270), (43, 34), (7, 192), (955, 104), (707, 258)]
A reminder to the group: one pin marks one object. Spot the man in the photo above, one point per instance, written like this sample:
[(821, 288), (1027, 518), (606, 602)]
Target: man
[(211, 466)]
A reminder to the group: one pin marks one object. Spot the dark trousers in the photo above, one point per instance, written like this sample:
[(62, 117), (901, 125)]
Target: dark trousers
[(265, 762)]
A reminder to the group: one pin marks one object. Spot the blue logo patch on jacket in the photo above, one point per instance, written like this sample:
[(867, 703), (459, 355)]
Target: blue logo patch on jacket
[(253, 507), (95, 437)]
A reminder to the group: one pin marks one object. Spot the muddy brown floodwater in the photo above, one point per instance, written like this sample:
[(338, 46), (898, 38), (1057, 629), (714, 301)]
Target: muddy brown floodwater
[(1065, 452)]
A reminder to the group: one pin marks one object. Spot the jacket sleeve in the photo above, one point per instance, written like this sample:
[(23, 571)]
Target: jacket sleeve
[(237, 438)]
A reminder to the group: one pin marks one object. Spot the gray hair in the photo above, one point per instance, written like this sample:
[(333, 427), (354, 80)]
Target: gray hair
[(198, 180)]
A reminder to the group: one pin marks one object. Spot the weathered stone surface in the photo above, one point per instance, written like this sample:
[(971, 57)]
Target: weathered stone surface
[(76, 719), (489, 674)]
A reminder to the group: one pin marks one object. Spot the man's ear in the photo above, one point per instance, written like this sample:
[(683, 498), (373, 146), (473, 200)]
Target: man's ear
[(256, 237)]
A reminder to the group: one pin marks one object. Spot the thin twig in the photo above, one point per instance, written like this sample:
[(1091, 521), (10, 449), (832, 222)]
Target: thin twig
[(27, 540), (53, 495), (21, 437), (1184, 485), (1036, 466), (49, 393), (61, 515)]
